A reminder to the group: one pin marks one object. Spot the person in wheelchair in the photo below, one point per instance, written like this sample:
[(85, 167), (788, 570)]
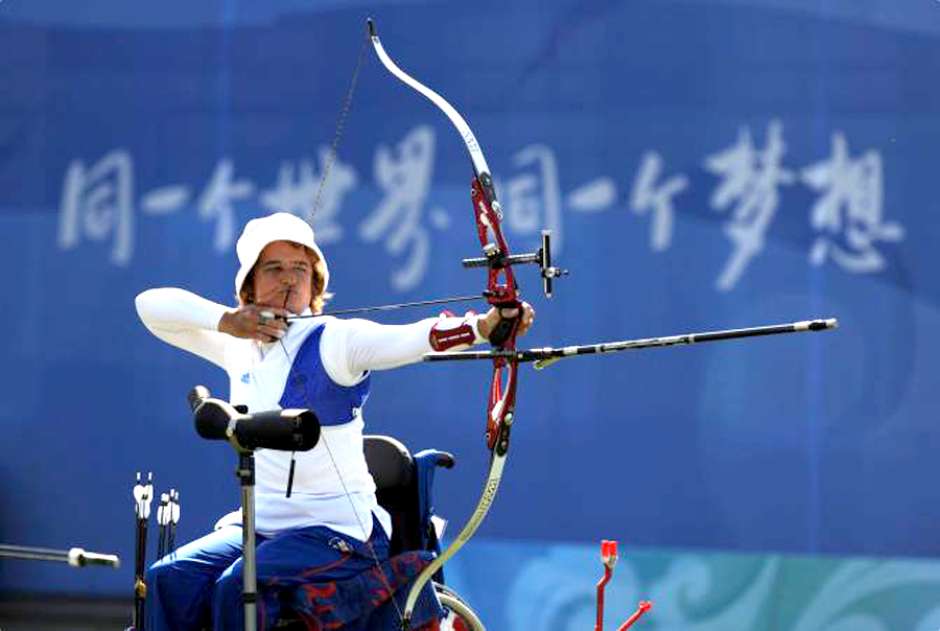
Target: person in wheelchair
[(322, 536)]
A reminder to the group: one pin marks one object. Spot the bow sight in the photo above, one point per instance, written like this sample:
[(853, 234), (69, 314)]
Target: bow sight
[(495, 259)]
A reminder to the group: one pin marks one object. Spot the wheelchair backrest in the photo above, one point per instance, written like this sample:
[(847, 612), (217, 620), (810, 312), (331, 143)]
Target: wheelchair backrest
[(393, 470), (389, 461)]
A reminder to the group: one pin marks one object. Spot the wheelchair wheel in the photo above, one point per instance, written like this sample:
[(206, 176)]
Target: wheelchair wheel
[(459, 615)]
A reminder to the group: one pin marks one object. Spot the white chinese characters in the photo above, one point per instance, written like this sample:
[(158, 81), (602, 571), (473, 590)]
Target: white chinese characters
[(847, 216), (849, 213), (647, 196), (404, 175), (98, 203), (750, 181)]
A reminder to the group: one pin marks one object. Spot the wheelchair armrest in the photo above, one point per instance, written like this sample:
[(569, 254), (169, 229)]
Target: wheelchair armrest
[(445, 459)]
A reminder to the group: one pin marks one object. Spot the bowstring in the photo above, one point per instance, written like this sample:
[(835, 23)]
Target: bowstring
[(366, 538), (327, 168), (331, 159), (340, 127)]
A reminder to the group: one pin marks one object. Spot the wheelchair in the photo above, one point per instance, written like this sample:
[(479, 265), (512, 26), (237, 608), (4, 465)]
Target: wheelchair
[(403, 487)]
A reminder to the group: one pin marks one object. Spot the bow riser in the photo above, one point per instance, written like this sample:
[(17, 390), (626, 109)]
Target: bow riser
[(501, 281), (502, 405), (502, 292)]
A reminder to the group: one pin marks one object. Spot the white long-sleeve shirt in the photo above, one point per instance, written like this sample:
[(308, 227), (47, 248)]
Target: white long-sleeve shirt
[(332, 486)]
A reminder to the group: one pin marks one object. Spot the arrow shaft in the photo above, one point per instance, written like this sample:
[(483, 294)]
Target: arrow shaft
[(400, 305)]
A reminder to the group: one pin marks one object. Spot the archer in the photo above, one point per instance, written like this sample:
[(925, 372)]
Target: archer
[(318, 520)]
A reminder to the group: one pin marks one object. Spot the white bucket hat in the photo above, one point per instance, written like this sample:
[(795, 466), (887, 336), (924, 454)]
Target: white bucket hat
[(258, 233)]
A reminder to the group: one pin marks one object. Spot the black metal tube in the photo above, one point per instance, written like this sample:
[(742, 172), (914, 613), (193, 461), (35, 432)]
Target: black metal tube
[(548, 355), (513, 259), (246, 474), (76, 557), (33, 554)]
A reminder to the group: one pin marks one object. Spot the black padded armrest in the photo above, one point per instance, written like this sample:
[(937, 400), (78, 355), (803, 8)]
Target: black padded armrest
[(446, 460)]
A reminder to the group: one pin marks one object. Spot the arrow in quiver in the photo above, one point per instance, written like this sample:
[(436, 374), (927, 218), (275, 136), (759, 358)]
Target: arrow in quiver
[(143, 496)]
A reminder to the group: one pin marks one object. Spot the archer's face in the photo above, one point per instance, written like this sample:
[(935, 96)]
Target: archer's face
[(283, 277)]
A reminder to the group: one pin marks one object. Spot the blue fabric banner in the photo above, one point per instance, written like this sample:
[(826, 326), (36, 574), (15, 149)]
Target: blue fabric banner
[(702, 165)]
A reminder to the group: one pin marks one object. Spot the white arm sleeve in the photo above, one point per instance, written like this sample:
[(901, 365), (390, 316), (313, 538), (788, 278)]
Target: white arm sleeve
[(185, 320), (351, 348)]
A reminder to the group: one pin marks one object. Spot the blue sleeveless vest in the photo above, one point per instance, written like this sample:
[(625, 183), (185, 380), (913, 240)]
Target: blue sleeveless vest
[(308, 386)]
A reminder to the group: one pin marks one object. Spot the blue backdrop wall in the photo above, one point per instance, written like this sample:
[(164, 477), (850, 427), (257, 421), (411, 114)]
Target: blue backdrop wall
[(703, 164)]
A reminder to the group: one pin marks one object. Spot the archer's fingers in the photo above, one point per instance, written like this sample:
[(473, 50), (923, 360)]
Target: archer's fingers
[(273, 313), (279, 324), (271, 331), (528, 318)]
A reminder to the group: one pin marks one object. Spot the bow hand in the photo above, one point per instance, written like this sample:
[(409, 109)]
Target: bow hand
[(501, 323)]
